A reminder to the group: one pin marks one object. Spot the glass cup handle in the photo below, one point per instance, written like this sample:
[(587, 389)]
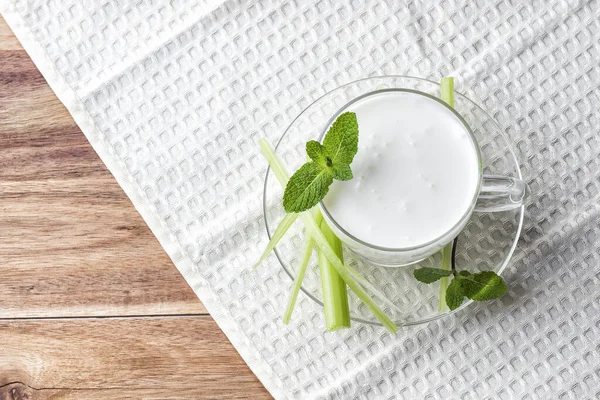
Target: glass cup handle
[(501, 193)]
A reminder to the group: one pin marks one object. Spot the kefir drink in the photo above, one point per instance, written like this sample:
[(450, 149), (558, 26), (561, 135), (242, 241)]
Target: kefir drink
[(415, 173)]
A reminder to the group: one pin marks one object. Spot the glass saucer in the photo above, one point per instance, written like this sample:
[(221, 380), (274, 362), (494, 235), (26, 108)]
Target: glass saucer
[(487, 242)]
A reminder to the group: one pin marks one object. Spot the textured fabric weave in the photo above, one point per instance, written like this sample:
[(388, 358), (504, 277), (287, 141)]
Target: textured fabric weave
[(173, 96)]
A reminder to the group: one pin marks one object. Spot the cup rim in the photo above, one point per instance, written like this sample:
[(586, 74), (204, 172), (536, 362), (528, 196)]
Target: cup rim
[(466, 215)]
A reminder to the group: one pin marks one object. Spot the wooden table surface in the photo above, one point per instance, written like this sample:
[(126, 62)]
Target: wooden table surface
[(90, 304)]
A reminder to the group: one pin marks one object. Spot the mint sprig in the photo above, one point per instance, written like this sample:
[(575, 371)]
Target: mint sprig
[(486, 285), (330, 160), (480, 286)]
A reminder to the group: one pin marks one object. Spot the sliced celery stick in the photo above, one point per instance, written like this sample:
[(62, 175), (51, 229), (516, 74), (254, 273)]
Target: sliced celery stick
[(280, 231), (446, 262), (307, 251), (309, 243), (288, 220), (328, 251), (314, 230), (282, 175), (447, 95), (335, 295), (371, 288), (276, 165), (447, 90)]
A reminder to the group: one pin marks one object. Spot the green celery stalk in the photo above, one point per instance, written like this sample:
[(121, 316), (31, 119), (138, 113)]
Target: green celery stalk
[(446, 262), (287, 221), (447, 90), (276, 165), (447, 95), (307, 249), (280, 231), (323, 245), (370, 287), (314, 230), (335, 295)]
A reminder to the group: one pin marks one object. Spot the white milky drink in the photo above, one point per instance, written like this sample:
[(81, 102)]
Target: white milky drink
[(415, 174)]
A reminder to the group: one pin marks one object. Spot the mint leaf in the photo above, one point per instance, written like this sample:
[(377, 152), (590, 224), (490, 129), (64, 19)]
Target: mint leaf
[(306, 187), (341, 172), (341, 141), (430, 275), (330, 160), (316, 152), (486, 285), (454, 294)]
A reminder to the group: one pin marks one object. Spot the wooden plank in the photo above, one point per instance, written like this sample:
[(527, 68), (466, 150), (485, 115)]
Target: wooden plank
[(122, 358), (71, 242), (22, 392)]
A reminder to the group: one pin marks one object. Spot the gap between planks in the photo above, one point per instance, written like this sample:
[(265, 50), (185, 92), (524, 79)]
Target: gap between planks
[(103, 317)]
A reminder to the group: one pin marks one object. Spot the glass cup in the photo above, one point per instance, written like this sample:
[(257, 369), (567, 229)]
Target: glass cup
[(494, 193), (486, 243)]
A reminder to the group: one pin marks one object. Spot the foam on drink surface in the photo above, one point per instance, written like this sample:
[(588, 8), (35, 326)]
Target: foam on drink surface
[(415, 174)]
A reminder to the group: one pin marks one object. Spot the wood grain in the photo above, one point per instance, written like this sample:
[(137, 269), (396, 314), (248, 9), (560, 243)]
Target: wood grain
[(71, 242), (122, 358)]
